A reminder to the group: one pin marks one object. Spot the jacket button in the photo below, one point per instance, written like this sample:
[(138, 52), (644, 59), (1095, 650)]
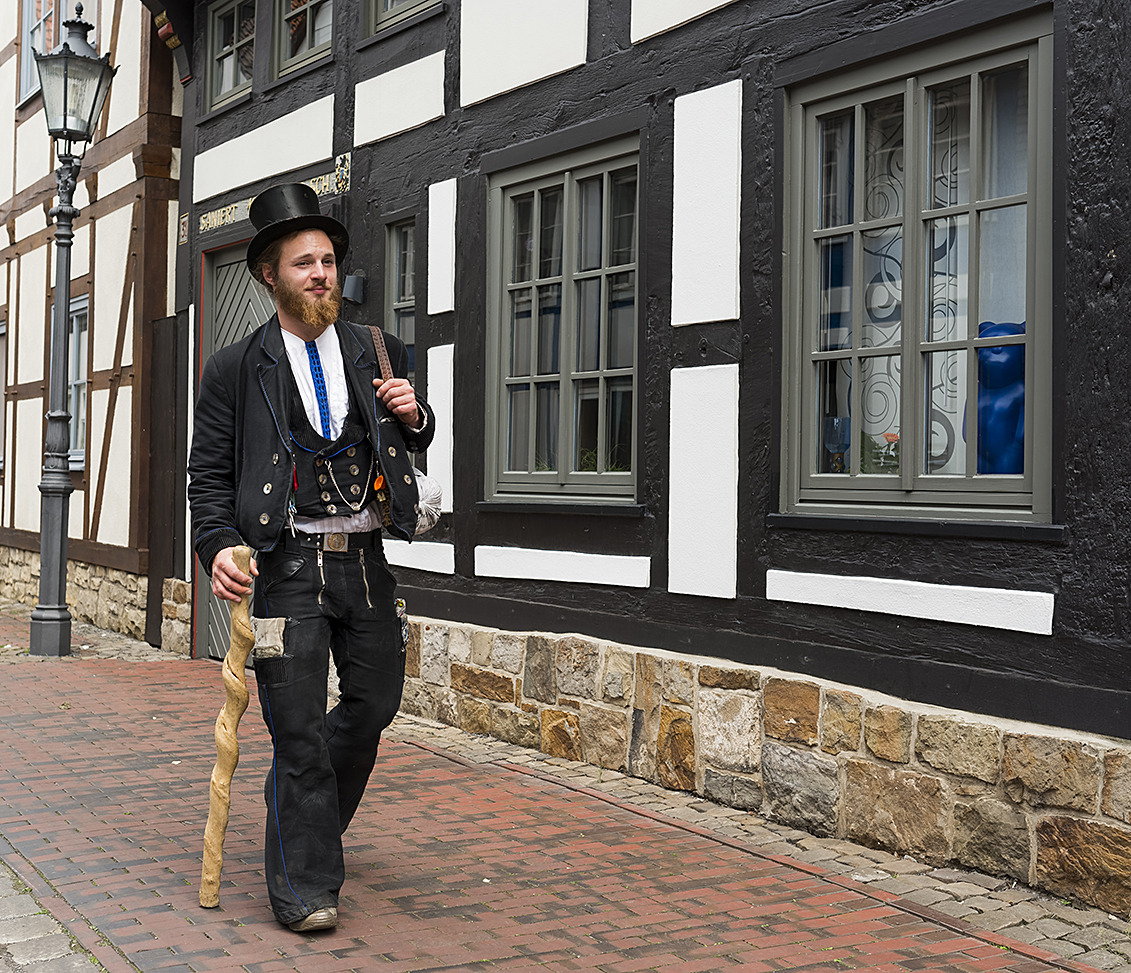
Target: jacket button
[(266, 487), (407, 478), (392, 451), (325, 497), (332, 509), (354, 470), (351, 451), (318, 462), (263, 518), (322, 479), (275, 459), (355, 489)]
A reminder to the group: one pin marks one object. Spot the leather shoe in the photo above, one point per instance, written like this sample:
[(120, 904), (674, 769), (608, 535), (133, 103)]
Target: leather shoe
[(319, 919)]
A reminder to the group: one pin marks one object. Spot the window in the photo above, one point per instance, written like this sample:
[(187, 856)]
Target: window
[(563, 327), (400, 288), (307, 26), (389, 12), (231, 49), (918, 375), (42, 30), (76, 381)]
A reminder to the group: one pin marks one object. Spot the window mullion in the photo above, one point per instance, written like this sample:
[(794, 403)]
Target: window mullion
[(911, 403), (567, 364), (973, 273), (856, 431)]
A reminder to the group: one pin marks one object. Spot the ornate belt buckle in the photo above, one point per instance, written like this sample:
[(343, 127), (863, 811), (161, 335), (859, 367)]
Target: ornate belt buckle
[(336, 542)]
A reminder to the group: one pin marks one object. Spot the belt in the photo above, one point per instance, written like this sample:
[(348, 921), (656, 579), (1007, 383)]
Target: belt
[(335, 543)]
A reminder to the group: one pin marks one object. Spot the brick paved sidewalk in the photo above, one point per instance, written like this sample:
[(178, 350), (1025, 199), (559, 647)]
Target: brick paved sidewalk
[(467, 854)]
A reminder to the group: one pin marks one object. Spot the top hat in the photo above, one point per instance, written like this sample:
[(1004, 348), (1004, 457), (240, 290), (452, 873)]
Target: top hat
[(285, 209)]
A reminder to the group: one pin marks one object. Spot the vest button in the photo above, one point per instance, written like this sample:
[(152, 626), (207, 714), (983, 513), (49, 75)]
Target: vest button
[(275, 459), (407, 478), (354, 470), (322, 479), (332, 509), (355, 489), (264, 519), (351, 451), (266, 487), (318, 462), (392, 451), (325, 496)]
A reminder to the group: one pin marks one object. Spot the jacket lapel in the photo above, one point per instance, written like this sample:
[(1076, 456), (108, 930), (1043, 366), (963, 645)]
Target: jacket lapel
[(273, 376)]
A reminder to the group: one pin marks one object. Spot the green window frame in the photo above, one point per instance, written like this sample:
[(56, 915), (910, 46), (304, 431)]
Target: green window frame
[(563, 327), (918, 200), (400, 287), (305, 32), (78, 347), (386, 13), (231, 50)]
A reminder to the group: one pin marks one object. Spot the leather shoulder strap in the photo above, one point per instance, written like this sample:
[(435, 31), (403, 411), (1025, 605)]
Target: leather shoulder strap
[(382, 352)]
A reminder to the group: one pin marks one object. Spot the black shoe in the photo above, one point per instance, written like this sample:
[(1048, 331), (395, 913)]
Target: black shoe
[(319, 919)]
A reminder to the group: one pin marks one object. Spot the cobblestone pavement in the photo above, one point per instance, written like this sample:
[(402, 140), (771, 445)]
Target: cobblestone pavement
[(467, 854)]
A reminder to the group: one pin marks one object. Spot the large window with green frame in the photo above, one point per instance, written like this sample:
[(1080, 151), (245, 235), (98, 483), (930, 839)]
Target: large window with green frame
[(386, 13), (306, 29), (562, 356), (231, 50), (917, 284)]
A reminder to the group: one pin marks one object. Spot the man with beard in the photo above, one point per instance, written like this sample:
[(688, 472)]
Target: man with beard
[(300, 451)]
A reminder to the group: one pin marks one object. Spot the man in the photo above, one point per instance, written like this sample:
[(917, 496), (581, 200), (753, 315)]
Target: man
[(300, 450)]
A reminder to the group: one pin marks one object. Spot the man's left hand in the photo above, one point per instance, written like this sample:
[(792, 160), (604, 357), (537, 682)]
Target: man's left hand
[(400, 400)]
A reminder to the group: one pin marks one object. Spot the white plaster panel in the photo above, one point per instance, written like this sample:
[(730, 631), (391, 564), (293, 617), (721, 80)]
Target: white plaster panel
[(125, 92), (111, 251), (121, 172), (33, 151), (703, 499), (114, 521), (421, 555), (80, 252), (1014, 610), (706, 204), (7, 27), (9, 459), (8, 80), (172, 215), (505, 44), (28, 463), (29, 222), (81, 198), (398, 100), (75, 510), (570, 566), (651, 17), (300, 138), (31, 323), (442, 247), (441, 377)]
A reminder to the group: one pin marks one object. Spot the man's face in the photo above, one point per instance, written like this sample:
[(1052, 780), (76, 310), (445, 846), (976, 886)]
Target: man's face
[(306, 283)]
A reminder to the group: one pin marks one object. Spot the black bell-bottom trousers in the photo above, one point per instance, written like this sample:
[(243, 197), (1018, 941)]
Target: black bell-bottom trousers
[(332, 602)]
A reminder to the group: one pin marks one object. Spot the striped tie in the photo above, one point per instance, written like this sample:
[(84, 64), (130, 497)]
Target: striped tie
[(319, 387)]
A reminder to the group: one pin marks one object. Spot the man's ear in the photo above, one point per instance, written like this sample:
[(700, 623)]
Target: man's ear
[(267, 275)]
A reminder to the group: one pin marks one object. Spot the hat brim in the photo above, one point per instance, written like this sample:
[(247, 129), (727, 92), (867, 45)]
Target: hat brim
[(339, 238)]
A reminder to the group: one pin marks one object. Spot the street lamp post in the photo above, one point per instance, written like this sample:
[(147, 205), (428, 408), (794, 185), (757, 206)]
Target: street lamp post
[(75, 82)]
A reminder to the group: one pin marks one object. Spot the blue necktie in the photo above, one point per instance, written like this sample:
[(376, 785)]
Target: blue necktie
[(319, 387)]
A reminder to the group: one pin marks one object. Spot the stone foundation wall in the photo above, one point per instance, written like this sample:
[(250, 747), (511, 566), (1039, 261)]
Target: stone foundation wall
[(176, 616), (1048, 807), (111, 599)]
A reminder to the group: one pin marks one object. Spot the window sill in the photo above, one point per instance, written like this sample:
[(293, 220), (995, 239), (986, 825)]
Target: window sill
[(236, 102), (383, 33), (300, 70), (986, 530), (567, 508)]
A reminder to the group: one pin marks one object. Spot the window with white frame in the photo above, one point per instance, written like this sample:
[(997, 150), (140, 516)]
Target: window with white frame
[(42, 31), (917, 284), (76, 380), (385, 13), (306, 28), (231, 50), (562, 339), (400, 287)]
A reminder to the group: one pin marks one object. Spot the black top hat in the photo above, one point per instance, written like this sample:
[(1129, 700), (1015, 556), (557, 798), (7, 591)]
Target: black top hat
[(285, 209)]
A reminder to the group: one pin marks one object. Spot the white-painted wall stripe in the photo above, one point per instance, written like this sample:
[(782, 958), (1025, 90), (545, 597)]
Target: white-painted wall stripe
[(404, 98), (1014, 610), (706, 204), (441, 367), (703, 492), (421, 555), (442, 247), (568, 566), (651, 17), (300, 138)]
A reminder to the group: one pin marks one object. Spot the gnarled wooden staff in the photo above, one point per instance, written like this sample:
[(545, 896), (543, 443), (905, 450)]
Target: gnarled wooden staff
[(227, 747)]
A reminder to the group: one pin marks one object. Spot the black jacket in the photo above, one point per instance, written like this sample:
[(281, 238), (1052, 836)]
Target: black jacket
[(241, 463)]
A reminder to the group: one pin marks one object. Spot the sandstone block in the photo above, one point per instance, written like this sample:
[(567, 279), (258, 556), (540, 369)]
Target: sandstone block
[(166, 588), (738, 677), (899, 810), (887, 732), (507, 649), (182, 591), (459, 645), (800, 788), (679, 680), (412, 650), (1086, 859), (1047, 772), (649, 692), (841, 721), (168, 609), (616, 681), (417, 698), (966, 749), (481, 646), (434, 653), (446, 705), (576, 661), (482, 683), (1115, 801), (561, 735), (517, 727), (474, 715), (740, 792), (538, 674), (675, 750), (991, 836), (792, 708), (175, 637), (729, 729), (604, 737), (642, 746)]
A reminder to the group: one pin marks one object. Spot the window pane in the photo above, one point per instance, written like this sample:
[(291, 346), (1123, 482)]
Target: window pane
[(949, 148), (550, 246), (948, 293), (589, 324), (296, 27), (883, 288), (225, 73), (834, 423), (589, 223), (523, 239), (621, 320), (880, 419), (226, 30), (588, 396), (883, 159), (1001, 402), (520, 333), (518, 429), (406, 262), (1001, 265), (835, 326), (323, 23), (837, 155), (1005, 131), (549, 328), (945, 377), (406, 331), (622, 232), (618, 418), (546, 430)]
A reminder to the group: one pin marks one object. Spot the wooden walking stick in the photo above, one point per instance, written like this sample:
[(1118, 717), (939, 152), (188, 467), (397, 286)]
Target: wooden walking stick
[(227, 747)]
